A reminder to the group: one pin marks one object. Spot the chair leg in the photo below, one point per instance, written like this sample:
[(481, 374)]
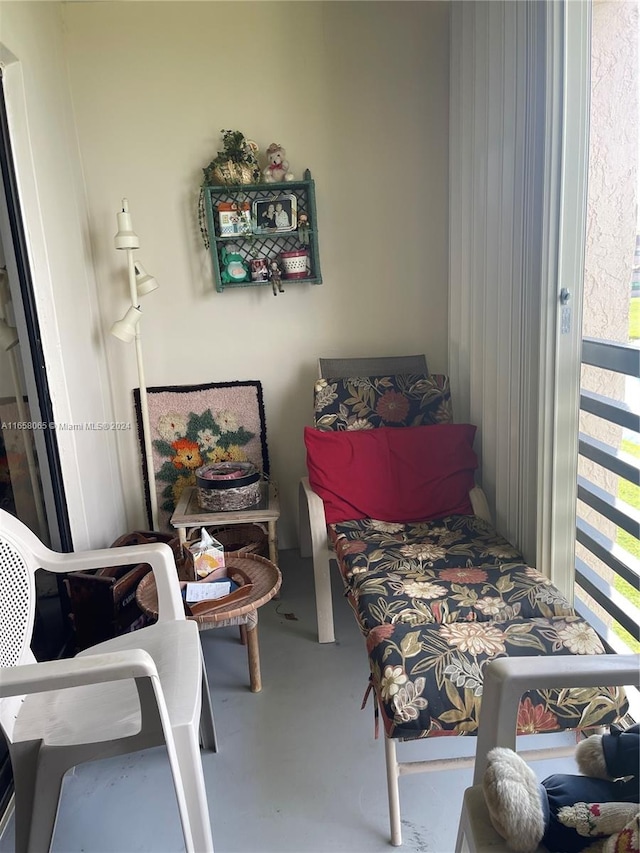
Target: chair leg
[(191, 777), (314, 544), (24, 759), (253, 654), (304, 527), (273, 542), (393, 790), (37, 779), (462, 843), (324, 602), (208, 737)]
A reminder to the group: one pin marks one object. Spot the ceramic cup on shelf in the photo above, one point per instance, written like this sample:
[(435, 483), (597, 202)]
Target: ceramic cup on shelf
[(295, 264)]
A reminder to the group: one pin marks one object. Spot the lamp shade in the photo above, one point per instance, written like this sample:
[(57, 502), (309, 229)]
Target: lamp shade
[(125, 329), (145, 283), (126, 238)]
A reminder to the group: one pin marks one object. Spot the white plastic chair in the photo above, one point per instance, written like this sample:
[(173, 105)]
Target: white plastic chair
[(505, 681), (136, 691)]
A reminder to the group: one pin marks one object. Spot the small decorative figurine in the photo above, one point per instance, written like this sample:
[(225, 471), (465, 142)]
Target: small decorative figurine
[(278, 166), (234, 267), (303, 229), (276, 277)]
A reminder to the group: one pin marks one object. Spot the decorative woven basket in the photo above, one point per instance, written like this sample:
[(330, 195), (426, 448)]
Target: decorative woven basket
[(238, 539), (233, 173), (226, 486)]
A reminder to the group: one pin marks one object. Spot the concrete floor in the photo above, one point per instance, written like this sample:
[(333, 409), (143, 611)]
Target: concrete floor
[(298, 767)]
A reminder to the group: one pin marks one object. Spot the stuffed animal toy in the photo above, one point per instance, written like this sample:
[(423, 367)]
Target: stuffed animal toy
[(234, 267), (278, 166), (566, 813)]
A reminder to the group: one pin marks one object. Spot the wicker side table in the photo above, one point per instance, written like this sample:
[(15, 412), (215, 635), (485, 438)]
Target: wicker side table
[(265, 579), (188, 514)]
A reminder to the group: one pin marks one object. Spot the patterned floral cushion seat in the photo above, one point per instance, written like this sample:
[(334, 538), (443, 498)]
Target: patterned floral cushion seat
[(479, 594), (428, 678), (367, 546), (434, 615), (437, 600)]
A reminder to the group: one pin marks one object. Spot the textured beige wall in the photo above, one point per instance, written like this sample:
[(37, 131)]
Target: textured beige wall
[(612, 220), (613, 168), (358, 93)]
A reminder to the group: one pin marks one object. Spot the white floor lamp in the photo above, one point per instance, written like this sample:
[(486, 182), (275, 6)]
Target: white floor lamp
[(128, 329)]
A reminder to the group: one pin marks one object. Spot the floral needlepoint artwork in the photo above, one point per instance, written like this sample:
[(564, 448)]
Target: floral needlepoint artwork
[(192, 425)]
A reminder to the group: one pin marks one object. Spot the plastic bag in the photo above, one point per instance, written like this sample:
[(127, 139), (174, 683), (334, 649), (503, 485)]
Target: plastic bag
[(208, 557)]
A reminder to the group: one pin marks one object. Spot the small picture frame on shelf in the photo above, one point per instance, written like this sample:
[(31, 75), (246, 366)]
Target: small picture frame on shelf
[(275, 215), (234, 218)]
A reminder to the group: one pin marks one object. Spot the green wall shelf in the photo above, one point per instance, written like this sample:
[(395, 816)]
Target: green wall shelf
[(266, 244)]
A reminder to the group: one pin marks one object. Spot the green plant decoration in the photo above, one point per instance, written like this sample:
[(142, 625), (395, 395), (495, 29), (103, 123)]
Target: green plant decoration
[(237, 163)]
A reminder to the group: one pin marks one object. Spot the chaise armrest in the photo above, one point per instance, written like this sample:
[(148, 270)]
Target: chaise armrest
[(314, 543), (480, 504), (313, 525)]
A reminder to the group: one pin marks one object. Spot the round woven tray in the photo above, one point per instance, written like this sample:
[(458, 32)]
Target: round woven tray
[(264, 575)]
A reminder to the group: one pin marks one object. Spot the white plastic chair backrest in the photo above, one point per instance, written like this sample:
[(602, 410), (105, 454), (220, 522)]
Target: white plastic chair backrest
[(505, 681), (17, 593), (393, 365), (18, 563)]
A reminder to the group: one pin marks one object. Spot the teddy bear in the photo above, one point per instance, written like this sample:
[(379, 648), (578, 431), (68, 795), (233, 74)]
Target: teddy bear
[(567, 813), (277, 168)]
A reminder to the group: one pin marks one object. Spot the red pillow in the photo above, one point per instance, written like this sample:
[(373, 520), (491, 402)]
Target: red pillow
[(393, 474)]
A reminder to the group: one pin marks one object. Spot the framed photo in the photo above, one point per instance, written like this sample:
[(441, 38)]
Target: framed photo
[(273, 215)]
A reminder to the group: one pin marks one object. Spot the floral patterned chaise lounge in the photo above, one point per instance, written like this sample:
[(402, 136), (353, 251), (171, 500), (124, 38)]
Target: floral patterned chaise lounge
[(436, 591)]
